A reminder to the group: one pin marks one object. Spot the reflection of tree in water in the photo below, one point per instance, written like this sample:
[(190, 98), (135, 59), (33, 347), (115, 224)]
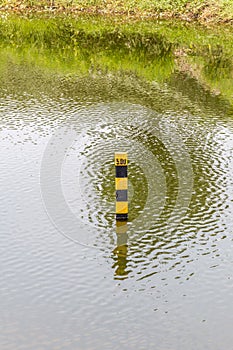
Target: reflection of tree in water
[(160, 152), (161, 249), (196, 97)]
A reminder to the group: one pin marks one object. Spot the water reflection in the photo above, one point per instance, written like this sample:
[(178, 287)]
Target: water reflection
[(157, 175), (120, 251), (218, 65), (150, 253)]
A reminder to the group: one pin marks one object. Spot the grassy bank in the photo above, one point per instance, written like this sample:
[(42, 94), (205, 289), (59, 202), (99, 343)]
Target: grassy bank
[(205, 11)]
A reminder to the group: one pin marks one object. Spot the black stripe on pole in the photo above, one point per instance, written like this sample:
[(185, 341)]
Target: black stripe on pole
[(121, 171), (121, 195), (122, 217)]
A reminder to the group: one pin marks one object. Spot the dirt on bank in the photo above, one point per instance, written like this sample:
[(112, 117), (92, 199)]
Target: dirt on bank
[(205, 14)]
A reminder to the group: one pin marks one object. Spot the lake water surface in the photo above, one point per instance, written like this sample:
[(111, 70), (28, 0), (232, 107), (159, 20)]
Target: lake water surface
[(70, 277)]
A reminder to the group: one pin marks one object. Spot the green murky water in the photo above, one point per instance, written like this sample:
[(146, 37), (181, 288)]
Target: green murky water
[(71, 278)]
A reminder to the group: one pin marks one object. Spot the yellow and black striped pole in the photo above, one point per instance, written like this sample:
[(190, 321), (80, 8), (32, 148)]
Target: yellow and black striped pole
[(121, 185)]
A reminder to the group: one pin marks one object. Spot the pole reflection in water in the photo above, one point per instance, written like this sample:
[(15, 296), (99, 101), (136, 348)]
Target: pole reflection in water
[(120, 252)]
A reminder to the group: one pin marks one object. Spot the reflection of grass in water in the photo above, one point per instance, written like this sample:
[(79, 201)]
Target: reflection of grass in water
[(88, 63), (74, 46), (149, 49)]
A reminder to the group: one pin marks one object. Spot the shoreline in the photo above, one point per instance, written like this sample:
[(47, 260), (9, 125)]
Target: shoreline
[(205, 16)]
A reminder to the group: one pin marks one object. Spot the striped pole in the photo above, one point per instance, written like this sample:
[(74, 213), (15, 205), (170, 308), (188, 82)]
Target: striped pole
[(121, 185)]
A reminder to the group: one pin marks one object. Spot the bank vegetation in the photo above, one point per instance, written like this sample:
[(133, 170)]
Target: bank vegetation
[(204, 11)]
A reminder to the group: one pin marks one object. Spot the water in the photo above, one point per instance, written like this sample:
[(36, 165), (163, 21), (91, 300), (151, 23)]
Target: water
[(71, 279)]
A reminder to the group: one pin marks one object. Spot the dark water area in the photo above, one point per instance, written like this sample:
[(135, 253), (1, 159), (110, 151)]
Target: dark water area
[(70, 277)]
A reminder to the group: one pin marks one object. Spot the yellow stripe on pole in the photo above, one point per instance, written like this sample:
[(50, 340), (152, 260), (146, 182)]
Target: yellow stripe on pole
[(121, 183), (121, 159), (122, 207)]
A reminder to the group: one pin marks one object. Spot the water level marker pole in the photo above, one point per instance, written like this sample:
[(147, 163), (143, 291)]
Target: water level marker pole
[(121, 185)]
